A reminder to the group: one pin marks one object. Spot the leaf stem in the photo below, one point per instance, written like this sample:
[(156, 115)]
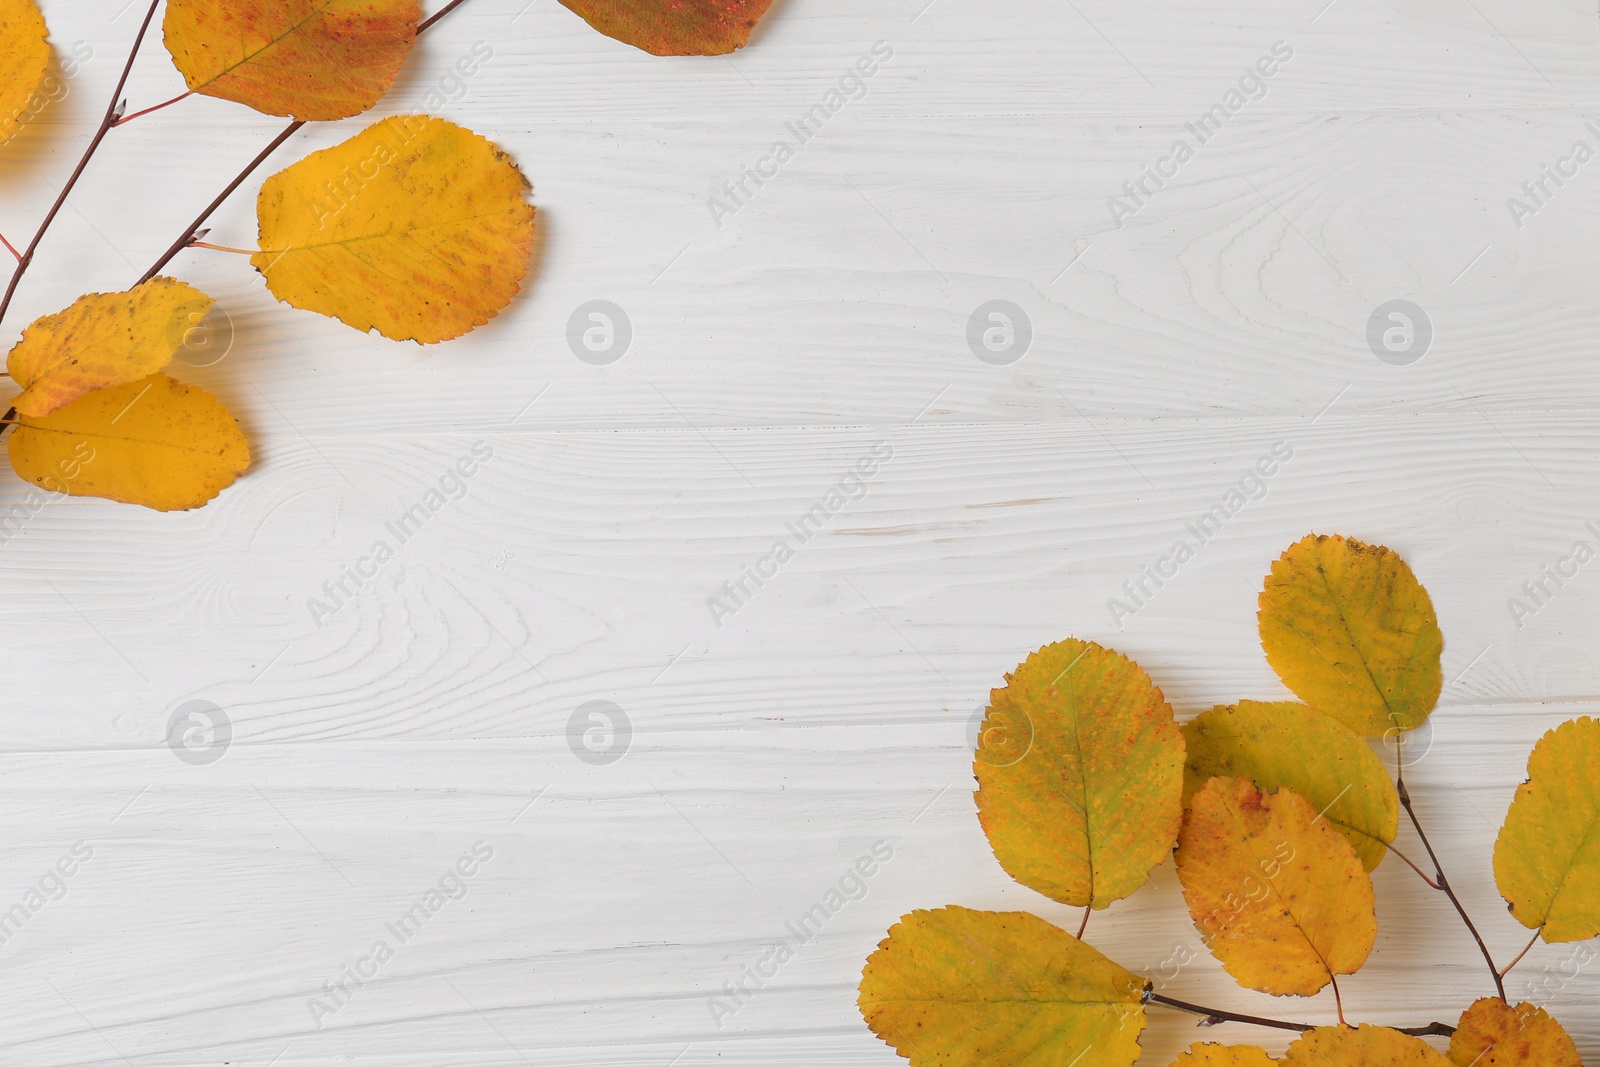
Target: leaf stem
[(1085, 924), (220, 248), (1217, 1015), (10, 247), (1521, 954), (1420, 872), (1444, 885), (113, 113), (288, 131), (148, 110)]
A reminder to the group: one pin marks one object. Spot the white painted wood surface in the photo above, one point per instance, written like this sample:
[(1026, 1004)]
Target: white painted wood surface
[(769, 355)]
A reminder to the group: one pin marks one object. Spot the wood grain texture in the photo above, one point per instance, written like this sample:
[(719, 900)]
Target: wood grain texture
[(770, 354)]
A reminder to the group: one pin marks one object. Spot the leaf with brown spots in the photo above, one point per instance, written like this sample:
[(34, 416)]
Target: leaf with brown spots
[(1212, 1055), (1276, 891), (415, 227), (675, 27), (1080, 774), (1351, 632), (961, 988), (103, 339), (1494, 1034), (1360, 1046), (24, 62), (311, 59)]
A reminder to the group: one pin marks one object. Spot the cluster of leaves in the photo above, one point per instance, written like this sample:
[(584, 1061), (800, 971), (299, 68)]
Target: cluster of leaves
[(1278, 813), (415, 227)]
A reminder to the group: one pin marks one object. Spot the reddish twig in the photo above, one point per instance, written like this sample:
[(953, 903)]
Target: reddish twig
[(148, 110)]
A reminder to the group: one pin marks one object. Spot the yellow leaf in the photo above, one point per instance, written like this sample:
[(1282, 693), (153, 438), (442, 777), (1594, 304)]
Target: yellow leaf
[(962, 988), (1362, 1046), (24, 61), (1277, 893), (1494, 1034), (312, 59), (103, 339), (1290, 745), (1351, 631), (1547, 857), (155, 442), (1212, 1055), (1080, 774), (414, 227), (680, 28)]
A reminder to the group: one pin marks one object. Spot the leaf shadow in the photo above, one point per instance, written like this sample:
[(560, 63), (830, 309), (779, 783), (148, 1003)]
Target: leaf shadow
[(49, 118)]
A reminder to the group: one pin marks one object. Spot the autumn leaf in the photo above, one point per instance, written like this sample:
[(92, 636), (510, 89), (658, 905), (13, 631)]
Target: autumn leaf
[(1213, 1055), (1277, 893), (1290, 745), (24, 62), (103, 339), (155, 442), (1351, 631), (1080, 774), (1547, 856), (1362, 1046), (1494, 1034), (312, 59), (414, 227), (961, 988), (675, 27)]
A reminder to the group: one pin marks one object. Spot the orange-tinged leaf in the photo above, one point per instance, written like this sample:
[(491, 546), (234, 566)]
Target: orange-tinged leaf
[(1080, 774), (1351, 631), (675, 27), (155, 442), (961, 988), (103, 339), (415, 227), (1361, 1046), (1276, 892), (1212, 1055), (24, 61), (312, 59), (1547, 856), (1492, 1033), (1290, 745)]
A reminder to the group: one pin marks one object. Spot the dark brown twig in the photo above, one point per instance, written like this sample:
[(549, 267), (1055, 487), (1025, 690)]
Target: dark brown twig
[(1217, 1015), (1444, 886), (113, 113)]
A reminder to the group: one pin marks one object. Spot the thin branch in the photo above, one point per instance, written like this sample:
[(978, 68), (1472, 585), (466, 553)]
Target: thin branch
[(148, 110), (1444, 885), (1217, 1015), (113, 113), (288, 131), (437, 15), (1523, 953), (10, 247)]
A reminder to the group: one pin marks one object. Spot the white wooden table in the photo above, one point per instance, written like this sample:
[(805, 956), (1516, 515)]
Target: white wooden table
[(773, 348)]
